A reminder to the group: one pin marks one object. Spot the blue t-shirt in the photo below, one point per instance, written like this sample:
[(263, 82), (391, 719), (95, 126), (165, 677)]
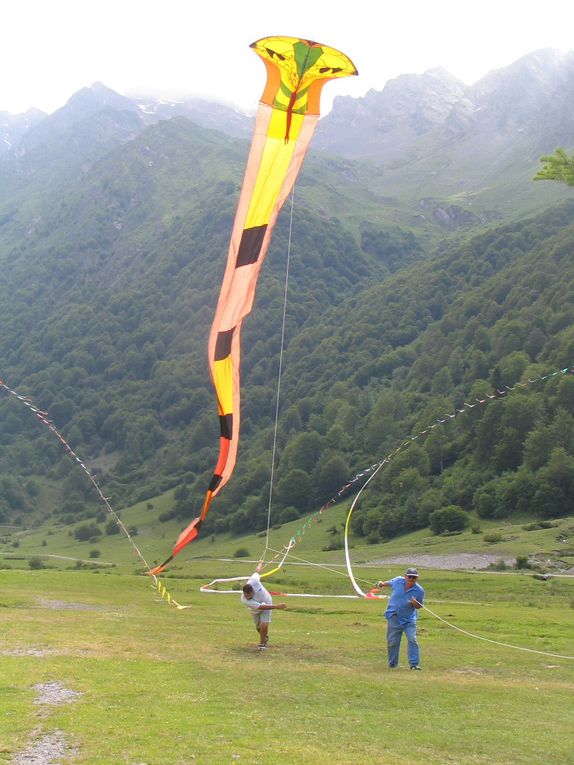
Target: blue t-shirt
[(399, 602)]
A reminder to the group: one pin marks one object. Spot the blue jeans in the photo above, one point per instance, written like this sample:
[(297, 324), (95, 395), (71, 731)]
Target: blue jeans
[(394, 634)]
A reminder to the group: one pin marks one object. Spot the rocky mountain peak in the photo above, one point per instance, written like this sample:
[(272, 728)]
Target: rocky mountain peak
[(94, 98)]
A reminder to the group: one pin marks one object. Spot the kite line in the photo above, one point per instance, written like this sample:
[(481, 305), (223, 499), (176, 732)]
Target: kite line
[(495, 642), (44, 418), (280, 370)]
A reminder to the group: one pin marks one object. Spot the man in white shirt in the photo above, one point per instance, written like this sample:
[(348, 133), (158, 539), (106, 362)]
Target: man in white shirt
[(260, 603)]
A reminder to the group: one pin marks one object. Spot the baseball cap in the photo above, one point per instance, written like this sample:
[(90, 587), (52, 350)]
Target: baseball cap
[(412, 572)]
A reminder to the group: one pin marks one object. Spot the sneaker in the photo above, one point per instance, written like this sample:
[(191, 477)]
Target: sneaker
[(263, 646), (415, 666)]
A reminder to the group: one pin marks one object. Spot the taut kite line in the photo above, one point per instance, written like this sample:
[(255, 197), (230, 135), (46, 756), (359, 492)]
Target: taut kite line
[(285, 122)]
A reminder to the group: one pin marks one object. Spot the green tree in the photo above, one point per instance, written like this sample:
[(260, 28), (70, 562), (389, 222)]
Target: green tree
[(87, 532), (294, 489), (112, 528), (557, 167), (449, 518), (538, 446), (409, 481), (303, 452), (485, 500), (331, 476)]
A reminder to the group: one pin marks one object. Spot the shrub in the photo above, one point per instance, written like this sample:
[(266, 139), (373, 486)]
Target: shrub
[(36, 563), (449, 518), (522, 562), (535, 525), (288, 514), (531, 526), (335, 544), (221, 525), (241, 552), (493, 537), (112, 528), (95, 553), (87, 532), (167, 516)]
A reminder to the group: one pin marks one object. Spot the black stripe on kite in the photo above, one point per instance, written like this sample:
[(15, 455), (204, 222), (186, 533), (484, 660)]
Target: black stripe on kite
[(214, 483), (223, 344), (250, 245), (226, 425)]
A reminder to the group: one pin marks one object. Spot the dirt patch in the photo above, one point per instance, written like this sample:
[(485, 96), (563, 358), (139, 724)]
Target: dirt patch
[(453, 562), (64, 605), (54, 693), (49, 749), (26, 652)]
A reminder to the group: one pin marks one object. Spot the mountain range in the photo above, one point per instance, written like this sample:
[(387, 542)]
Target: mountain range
[(474, 148)]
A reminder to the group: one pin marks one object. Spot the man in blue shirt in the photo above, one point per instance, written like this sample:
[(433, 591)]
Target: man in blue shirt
[(406, 598)]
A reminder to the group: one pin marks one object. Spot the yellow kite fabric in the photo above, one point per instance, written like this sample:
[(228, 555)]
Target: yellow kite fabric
[(286, 119)]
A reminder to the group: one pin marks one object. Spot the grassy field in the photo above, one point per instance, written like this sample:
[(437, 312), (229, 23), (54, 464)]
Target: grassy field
[(158, 686)]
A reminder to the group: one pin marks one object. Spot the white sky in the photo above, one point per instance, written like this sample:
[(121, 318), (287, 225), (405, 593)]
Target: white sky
[(49, 49)]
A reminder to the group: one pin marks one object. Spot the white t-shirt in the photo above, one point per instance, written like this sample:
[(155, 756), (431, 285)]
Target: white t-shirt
[(260, 594)]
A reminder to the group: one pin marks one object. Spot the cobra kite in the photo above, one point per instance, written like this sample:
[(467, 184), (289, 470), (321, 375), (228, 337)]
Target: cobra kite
[(286, 119)]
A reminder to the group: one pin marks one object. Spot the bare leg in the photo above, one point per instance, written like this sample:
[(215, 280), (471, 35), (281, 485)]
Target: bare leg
[(263, 633)]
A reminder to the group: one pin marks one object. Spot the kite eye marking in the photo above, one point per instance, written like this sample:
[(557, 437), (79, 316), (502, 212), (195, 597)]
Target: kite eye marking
[(274, 54), (333, 70)]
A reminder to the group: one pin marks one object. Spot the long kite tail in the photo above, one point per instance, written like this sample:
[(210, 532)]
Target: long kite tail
[(286, 119)]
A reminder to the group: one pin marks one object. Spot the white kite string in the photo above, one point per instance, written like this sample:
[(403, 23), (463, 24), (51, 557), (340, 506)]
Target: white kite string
[(496, 642), (279, 373)]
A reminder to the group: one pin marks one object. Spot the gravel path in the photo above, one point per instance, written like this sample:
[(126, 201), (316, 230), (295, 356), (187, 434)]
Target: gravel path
[(450, 562)]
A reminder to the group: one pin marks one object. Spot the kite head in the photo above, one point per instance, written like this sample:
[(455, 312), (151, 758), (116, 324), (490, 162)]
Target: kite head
[(297, 70)]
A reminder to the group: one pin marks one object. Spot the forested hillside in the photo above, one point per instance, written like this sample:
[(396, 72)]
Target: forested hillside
[(110, 276), (108, 297)]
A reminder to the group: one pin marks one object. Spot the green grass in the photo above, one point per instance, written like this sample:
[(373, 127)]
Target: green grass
[(167, 687), (161, 686)]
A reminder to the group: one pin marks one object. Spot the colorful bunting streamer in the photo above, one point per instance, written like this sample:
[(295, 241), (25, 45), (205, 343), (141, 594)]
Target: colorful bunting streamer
[(45, 420)]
